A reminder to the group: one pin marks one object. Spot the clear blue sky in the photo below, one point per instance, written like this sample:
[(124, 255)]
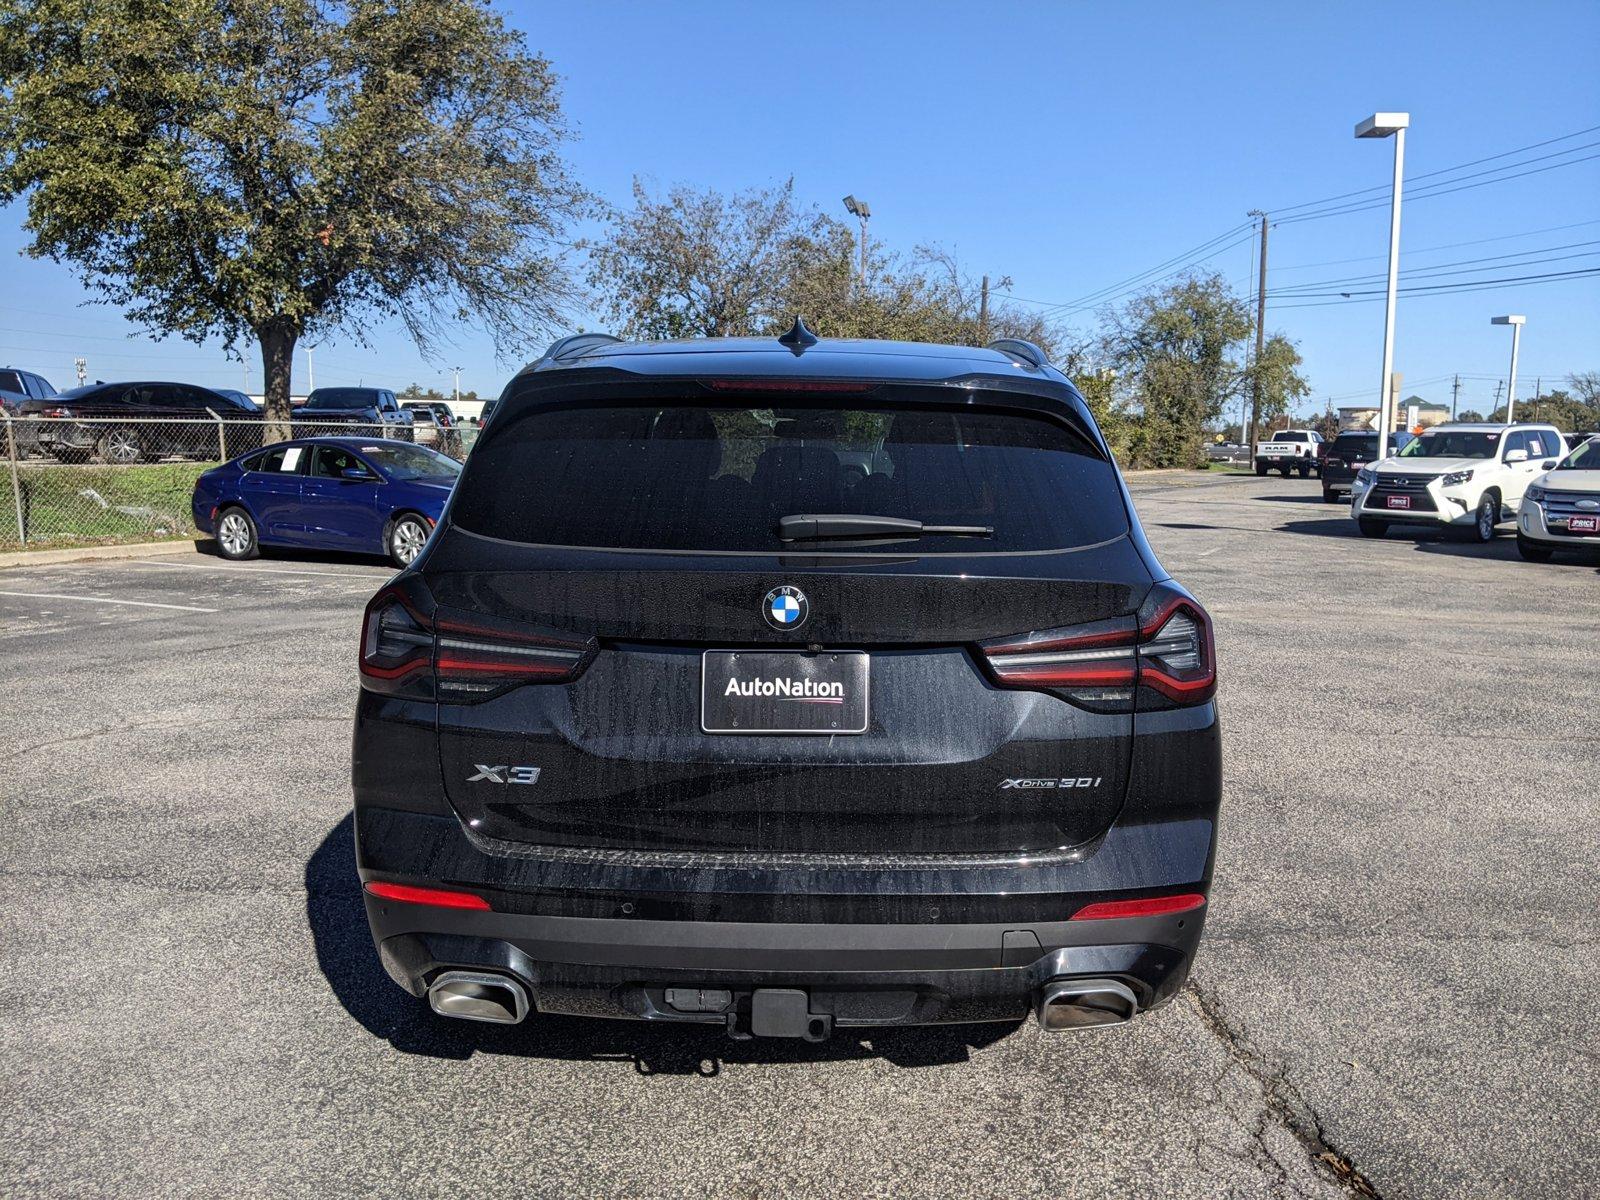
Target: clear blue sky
[(1068, 146)]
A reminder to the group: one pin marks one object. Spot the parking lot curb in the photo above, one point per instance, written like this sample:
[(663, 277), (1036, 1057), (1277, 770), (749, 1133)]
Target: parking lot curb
[(43, 558)]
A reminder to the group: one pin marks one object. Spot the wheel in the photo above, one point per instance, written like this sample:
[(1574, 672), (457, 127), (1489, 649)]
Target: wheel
[(121, 446), (1487, 517), (1370, 528), (1329, 496), (1305, 470), (406, 538), (1261, 468), (236, 535), (1533, 551)]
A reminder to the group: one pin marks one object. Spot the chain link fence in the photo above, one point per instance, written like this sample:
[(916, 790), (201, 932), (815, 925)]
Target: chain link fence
[(81, 481)]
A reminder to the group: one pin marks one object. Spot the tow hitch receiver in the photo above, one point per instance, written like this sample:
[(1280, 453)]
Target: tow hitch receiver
[(786, 1013)]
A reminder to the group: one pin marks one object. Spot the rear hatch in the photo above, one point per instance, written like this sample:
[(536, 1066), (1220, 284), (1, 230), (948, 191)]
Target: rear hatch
[(719, 683)]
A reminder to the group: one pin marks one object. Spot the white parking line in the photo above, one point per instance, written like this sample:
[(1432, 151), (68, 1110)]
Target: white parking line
[(101, 600), (237, 568)]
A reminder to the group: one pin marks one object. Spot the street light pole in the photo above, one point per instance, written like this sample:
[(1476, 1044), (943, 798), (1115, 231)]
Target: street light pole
[(1381, 125), (311, 371), (862, 210), (1516, 323), (457, 370)]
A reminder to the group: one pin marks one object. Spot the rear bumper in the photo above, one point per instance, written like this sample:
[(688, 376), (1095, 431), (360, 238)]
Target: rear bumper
[(857, 974)]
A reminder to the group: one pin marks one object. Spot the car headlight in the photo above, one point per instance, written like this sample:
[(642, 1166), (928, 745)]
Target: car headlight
[(1364, 476), (1455, 477), (1534, 493)]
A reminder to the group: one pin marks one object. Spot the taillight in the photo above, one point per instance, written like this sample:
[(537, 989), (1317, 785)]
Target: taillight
[(1164, 657), (55, 412), (411, 648)]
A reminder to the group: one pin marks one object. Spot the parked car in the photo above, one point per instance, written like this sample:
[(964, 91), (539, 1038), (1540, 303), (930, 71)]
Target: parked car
[(670, 721), (488, 411), (427, 429), (366, 496), (1347, 454), (448, 431), (1290, 450), (18, 388), (1561, 509), (242, 399), (1574, 440), (327, 408), (129, 422), (1469, 475)]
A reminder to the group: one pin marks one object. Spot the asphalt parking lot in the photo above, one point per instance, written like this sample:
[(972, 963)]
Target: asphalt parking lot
[(1397, 991)]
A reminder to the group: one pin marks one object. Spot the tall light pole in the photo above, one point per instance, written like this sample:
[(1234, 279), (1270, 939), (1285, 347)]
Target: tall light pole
[(311, 371), (860, 209), (1382, 125), (1516, 324), (457, 370)]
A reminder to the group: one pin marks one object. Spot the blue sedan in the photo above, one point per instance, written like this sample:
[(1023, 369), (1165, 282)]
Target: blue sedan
[(354, 494)]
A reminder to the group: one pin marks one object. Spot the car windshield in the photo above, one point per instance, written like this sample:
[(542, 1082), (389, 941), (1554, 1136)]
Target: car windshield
[(1453, 443), (694, 479), (400, 461), (342, 398), (1585, 458)]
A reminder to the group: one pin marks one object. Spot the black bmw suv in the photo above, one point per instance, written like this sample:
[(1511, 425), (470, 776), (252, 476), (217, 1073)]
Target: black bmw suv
[(786, 685)]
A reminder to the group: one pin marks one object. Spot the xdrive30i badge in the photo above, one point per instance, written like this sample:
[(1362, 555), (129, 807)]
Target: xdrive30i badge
[(786, 607)]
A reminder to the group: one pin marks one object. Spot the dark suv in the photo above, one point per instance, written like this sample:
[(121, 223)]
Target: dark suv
[(677, 718), (1346, 455), (131, 422), (332, 410)]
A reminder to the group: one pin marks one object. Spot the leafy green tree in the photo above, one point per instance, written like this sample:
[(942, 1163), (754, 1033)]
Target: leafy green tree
[(1277, 372), (281, 169), (1173, 348), (695, 263)]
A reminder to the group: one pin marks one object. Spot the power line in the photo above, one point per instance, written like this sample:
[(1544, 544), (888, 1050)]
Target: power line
[(1383, 187), (1504, 237), (1185, 261), (1438, 191), (1461, 267), (1478, 285)]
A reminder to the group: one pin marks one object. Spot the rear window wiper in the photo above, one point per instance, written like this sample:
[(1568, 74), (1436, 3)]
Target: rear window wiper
[(807, 526)]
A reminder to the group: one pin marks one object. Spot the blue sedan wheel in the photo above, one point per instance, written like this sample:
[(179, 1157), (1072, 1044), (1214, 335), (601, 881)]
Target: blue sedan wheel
[(406, 540), (236, 534)]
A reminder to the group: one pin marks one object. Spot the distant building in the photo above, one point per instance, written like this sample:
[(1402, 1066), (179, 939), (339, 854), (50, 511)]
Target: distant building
[(1366, 417)]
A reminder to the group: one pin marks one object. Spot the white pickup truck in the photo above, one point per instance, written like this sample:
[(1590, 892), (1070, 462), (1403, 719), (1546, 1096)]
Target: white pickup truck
[(1291, 450)]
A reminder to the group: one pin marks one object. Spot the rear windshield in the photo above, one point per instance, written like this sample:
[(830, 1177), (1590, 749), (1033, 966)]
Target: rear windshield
[(697, 479), (342, 398), (1356, 442)]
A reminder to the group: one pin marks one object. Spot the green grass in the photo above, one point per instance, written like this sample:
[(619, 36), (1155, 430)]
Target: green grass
[(95, 505)]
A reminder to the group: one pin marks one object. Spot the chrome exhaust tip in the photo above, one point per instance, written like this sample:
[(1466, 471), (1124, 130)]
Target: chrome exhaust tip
[(478, 996), (1083, 1004)]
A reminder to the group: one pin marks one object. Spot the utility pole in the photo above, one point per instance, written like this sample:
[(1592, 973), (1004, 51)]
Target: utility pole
[(81, 365), (1498, 384), (1455, 394), (983, 314), (1538, 389), (1261, 331)]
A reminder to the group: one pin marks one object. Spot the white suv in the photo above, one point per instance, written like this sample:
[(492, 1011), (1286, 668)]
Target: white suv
[(1561, 510), (1467, 475)]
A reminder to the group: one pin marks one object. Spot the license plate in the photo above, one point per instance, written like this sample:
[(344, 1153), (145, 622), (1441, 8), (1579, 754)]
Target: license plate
[(1398, 501), (1583, 524), (783, 691)]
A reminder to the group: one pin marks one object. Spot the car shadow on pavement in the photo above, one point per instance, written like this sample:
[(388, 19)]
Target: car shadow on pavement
[(345, 954), (335, 558)]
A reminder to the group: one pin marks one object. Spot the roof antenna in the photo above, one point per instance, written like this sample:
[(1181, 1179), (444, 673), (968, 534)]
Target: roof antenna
[(799, 338)]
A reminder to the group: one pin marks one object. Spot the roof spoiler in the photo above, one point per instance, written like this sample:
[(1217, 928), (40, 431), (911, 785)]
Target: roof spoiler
[(573, 345), (1017, 348)]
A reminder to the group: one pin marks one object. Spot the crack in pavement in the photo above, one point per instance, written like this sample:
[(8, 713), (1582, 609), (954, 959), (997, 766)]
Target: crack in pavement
[(1282, 1100)]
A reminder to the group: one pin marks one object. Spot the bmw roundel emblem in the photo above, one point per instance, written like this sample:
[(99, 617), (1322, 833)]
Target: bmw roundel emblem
[(786, 607)]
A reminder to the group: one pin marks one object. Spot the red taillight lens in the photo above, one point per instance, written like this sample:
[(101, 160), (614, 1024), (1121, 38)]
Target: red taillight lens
[(410, 648), (438, 897), (1166, 650), (1152, 906), (1177, 658)]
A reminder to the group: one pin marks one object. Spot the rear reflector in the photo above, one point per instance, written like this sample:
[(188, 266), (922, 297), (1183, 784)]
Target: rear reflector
[(438, 897), (1153, 906)]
